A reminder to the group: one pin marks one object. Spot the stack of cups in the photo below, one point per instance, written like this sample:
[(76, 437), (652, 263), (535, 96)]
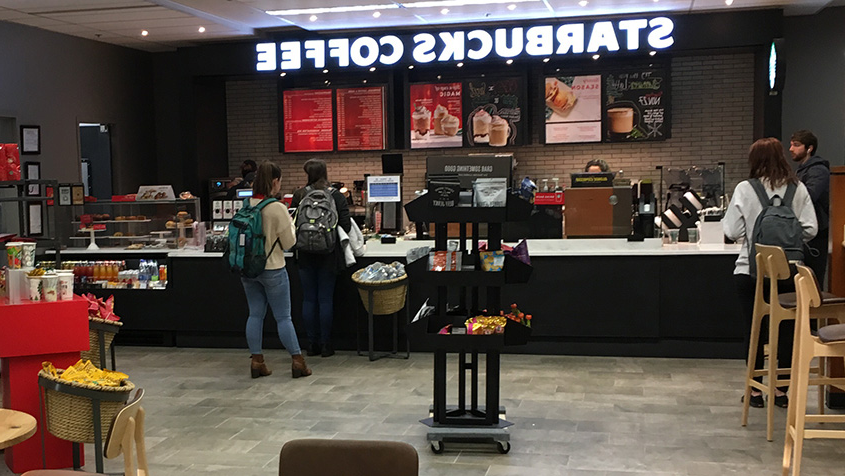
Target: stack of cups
[(28, 255), (50, 287), (65, 284), (35, 286), (14, 253)]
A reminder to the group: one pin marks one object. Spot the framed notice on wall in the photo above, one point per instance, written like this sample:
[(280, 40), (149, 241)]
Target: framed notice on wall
[(361, 122), (436, 113), (307, 120), (573, 106), (494, 110), (637, 105)]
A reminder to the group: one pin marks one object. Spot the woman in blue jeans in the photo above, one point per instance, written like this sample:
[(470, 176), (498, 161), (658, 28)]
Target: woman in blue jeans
[(272, 286), (318, 272)]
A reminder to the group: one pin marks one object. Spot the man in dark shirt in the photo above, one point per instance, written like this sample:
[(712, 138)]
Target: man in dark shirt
[(814, 172)]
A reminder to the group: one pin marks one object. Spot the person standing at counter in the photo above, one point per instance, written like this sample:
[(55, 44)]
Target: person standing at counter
[(814, 173), (768, 166), (248, 168), (272, 286), (318, 271), (596, 166)]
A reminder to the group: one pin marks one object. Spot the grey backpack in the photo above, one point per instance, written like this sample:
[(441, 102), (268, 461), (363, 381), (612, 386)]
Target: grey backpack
[(316, 222), (776, 225)]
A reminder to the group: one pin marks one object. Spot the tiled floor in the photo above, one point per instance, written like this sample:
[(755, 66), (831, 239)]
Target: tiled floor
[(572, 415)]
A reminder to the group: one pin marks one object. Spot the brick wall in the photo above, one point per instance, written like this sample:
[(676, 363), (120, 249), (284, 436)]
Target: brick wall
[(712, 121)]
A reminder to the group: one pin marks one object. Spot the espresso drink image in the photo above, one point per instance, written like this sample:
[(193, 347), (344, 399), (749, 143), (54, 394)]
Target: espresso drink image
[(620, 120), (449, 124), (499, 131), (481, 126), (439, 113), (420, 122)]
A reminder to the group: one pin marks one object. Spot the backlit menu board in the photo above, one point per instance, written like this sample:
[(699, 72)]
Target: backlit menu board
[(637, 107), (436, 115), (573, 109), (360, 119), (494, 108), (308, 120)]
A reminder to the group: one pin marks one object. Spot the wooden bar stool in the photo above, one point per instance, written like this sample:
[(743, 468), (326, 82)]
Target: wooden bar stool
[(772, 264), (829, 343)]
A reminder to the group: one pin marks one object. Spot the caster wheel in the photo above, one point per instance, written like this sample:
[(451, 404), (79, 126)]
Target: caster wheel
[(437, 447), (503, 447)]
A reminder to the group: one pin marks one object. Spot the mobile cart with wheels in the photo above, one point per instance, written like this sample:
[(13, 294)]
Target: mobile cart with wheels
[(468, 421)]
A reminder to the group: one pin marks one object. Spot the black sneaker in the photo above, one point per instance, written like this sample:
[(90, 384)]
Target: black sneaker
[(782, 401), (755, 401), (313, 349), (327, 351)]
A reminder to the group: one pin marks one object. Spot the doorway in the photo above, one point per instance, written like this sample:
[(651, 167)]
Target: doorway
[(95, 153)]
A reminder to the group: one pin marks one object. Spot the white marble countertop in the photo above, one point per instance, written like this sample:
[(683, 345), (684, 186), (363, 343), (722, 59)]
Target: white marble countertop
[(536, 247)]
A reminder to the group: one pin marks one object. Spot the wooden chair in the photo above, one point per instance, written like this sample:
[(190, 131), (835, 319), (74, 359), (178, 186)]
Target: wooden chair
[(830, 342), (127, 427), (772, 264), (317, 457)]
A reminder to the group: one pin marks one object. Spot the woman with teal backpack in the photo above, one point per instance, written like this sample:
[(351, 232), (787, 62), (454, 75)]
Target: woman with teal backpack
[(272, 286)]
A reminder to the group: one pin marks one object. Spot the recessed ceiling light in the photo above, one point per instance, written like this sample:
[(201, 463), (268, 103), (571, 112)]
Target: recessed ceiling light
[(459, 65), (201, 29), (595, 57), (444, 11), (144, 33), (510, 61), (365, 81), (325, 71), (372, 69), (326, 81), (438, 76), (411, 67), (545, 60), (583, 3), (512, 7), (557, 70), (313, 18), (729, 2), (376, 14), (652, 53), (283, 74)]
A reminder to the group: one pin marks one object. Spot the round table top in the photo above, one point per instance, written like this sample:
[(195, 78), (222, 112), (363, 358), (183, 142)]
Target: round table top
[(15, 427)]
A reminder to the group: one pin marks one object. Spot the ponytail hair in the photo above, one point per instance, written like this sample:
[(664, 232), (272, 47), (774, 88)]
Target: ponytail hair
[(263, 183)]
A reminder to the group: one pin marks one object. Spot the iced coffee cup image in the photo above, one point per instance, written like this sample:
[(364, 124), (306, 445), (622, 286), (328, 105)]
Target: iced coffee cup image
[(450, 125), (439, 113), (420, 122), (481, 126), (499, 131)]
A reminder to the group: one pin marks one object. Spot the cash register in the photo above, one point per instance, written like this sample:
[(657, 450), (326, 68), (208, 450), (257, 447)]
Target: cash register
[(598, 204)]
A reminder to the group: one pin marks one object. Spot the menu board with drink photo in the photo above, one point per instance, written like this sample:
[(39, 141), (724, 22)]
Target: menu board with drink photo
[(360, 119), (495, 111), (436, 115), (638, 106), (307, 120), (573, 109)]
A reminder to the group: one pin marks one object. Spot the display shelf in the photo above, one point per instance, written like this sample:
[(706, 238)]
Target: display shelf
[(514, 272), (144, 202), (425, 330), (116, 221), (421, 210), (137, 237)]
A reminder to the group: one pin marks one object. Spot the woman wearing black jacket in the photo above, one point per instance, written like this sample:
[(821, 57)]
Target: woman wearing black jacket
[(318, 272)]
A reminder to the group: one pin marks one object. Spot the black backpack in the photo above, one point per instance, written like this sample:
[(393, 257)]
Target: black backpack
[(316, 222), (776, 225)]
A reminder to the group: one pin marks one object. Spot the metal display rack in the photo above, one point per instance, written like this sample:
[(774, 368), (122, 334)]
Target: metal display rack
[(468, 421), (49, 237)]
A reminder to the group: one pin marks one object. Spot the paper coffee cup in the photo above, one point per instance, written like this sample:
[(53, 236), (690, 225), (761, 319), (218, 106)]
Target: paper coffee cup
[(65, 285), (28, 255), (34, 288), (621, 119), (50, 287), (14, 253)]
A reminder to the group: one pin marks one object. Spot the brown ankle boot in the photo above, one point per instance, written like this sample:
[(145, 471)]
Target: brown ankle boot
[(298, 367), (258, 368)]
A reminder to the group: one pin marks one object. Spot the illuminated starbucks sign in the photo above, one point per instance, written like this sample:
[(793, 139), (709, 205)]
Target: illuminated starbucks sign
[(541, 41)]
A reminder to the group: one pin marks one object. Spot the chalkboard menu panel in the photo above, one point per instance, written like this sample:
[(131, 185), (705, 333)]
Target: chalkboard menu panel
[(573, 109), (360, 119), (637, 105), (494, 111), (307, 120), (436, 115)]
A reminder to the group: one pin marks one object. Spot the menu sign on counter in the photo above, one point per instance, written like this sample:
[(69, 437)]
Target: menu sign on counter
[(360, 119), (638, 106), (307, 120), (495, 112), (436, 115), (573, 109)]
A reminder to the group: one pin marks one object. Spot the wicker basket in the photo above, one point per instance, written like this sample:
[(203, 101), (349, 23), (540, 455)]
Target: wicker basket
[(385, 301), (71, 417), (93, 354)]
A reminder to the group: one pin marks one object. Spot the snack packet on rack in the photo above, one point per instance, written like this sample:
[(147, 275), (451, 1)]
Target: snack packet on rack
[(87, 373)]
